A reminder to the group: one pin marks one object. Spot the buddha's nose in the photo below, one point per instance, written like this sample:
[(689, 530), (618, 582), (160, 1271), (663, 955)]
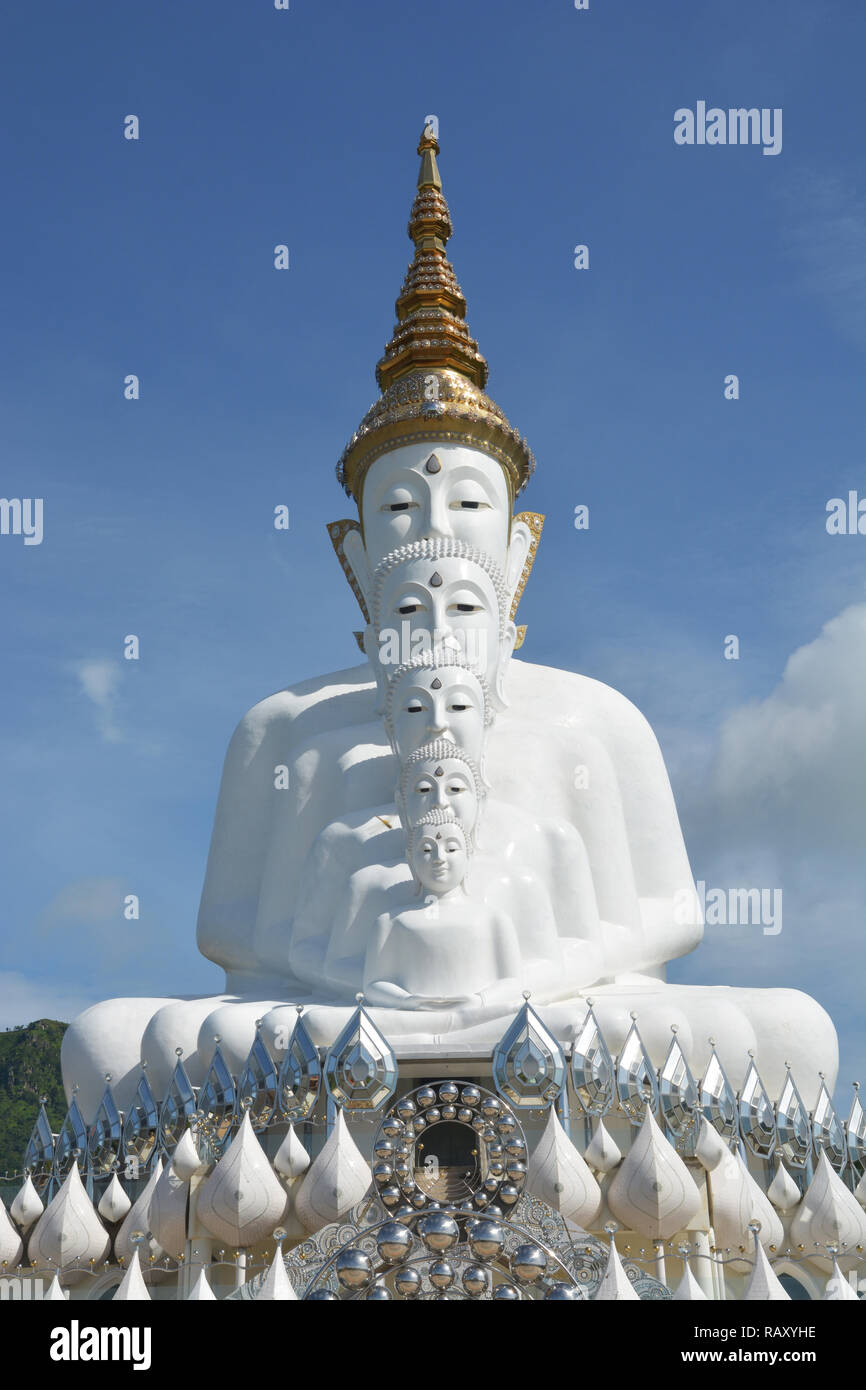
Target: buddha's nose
[(435, 518)]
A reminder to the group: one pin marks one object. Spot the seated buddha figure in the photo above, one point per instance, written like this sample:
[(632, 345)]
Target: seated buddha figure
[(576, 882)]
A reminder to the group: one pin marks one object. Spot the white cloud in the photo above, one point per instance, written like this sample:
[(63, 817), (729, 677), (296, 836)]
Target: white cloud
[(99, 680), (793, 765)]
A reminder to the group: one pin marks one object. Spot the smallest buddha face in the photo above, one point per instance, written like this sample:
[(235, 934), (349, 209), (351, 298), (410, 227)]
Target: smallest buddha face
[(444, 784), (438, 857)]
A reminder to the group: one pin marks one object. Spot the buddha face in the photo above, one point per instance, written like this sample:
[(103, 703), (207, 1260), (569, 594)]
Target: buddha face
[(426, 490), (433, 702), (441, 784), (438, 858), (447, 603)]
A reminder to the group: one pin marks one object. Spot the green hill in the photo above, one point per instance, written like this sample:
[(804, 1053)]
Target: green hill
[(29, 1068)]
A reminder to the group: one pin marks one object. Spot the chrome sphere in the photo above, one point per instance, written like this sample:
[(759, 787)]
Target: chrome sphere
[(391, 1195), (383, 1172), (464, 1115), (405, 1213), (378, 1294), (470, 1095), (506, 1124), (425, 1096), (515, 1147), (406, 1109), (488, 1134), (407, 1282), (563, 1293), (516, 1170), (478, 1124), (448, 1092), (505, 1293), (402, 1168), (384, 1149), (392, 1126), (419, 1123), (491, 1108), (441, 1274), (476, 1280), (490, 1185), (449, 1112), (419, 1200), (496, 1168), (494, 1209), (393, 1242), (353, 1268), (528, 1263), (322, 1296), (486, 1239), (509, 1194), (434, 1115), (439, 1231)]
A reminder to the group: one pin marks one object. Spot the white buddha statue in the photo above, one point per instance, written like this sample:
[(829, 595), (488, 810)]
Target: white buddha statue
[(578, 867)]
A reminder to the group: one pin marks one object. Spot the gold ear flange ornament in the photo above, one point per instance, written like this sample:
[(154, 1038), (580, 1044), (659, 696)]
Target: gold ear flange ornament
[(535, 522), (521, 634), (338, 530)]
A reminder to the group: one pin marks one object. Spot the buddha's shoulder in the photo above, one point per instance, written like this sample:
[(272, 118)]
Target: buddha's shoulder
[(573, 700), (313, 706)]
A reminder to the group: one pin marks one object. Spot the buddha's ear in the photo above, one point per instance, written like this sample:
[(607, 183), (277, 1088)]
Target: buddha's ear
[(522, 549), (506, 647), (346, 540)]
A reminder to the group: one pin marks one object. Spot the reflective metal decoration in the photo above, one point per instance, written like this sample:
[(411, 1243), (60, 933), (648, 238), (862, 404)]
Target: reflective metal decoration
[(856, 1133), (793, 1125), (72, 1136), (678, 1096), (592, 1071), (636, 1086), (529, 1066), (141, 1124), (39, 1153), (406, 1168), (257, 1086), (300, 1075), (360, 1068), (104, 1136), (176, 1108), (757, 1118), (217, 1099), (827, 1130), (717, 1098)]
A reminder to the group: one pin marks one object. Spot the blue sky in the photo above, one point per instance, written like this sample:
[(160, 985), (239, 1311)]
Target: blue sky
[(155, 257)]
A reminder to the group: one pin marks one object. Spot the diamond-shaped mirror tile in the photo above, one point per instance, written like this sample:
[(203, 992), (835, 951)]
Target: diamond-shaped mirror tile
[(103, 1138), (592, 1071), (141, 1124), (718, 1099), (793, 1125), (300, 1075), (257, 1086), (216, 1102), (529, 1067), (176, 1108), (827, 1130), (360, 1068), (678, 1096), (856, 1133), (636, 1086), (757, 1118), (72, 1137), (39, 1154)]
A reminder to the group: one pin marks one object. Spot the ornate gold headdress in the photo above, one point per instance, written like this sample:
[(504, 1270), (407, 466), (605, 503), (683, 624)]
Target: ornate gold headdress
[(432, 374)]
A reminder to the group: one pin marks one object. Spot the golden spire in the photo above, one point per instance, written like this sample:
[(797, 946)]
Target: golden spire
[(431, 328), (432, 375)]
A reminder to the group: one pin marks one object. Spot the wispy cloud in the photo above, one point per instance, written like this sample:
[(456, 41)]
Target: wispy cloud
[(98, 681)]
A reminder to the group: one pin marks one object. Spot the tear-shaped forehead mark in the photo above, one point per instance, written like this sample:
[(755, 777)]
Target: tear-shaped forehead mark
[(440, 772), (435, 684), (433, 464), (436, 580)]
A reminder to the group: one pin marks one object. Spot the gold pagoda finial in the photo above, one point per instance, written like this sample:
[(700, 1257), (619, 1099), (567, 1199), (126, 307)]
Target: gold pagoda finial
[(431, 328), (432, 376)]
